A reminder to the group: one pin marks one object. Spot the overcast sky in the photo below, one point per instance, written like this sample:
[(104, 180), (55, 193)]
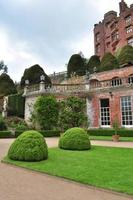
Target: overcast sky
[(48, 32)]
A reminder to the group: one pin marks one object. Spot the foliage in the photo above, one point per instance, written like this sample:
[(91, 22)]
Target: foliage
[(115, 125), (126, 55), (13, 121), (93, 62), (109, 138), (109, 132), (16, 105), (46, 112), (2, 124), (50, 133), (103, 167), (5, 134), (33, 74), (76, 65), (72, 113), (75, 139), (7, 85), (29, 146), (3, 67), (108, 62)]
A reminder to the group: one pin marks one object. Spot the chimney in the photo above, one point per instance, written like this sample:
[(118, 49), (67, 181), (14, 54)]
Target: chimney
[(123, 6)]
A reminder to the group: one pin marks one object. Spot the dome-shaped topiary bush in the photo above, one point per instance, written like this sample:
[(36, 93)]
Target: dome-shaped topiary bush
[(75, 139), (29, 146)]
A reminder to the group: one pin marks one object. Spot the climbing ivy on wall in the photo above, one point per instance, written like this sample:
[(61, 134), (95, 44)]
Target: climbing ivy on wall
[(16, 104)]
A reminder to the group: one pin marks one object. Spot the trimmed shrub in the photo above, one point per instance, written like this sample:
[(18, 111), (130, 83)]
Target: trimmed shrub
[(126, 55), (7, 85), (5, 134), (94, 61), (75, 139), (108, 62), (46, 112), (76, 65), (33, 74), (29, 146), (50, 133), (16, 105), (110, 132), (2, 124)]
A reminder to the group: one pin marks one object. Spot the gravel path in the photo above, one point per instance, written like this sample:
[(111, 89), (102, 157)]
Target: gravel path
[(20, 184)]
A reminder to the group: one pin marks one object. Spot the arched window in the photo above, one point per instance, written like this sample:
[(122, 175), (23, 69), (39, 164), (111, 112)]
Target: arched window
[(116, 81), (94, 83), (130, 79)]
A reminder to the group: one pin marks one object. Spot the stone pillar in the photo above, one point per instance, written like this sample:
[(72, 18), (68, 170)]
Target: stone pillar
[(5, 105), (42, 86), (90, 112)]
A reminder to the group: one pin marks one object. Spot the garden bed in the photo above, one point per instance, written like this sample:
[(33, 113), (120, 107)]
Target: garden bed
[(104, 167)]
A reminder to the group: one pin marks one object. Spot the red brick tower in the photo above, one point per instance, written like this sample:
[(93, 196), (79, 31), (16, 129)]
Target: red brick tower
[(114, 32)]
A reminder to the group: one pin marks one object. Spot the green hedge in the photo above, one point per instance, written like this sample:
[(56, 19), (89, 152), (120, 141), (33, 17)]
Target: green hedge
[(5, 134), (46, 133), (18, 132), (16, 104), (50, 133), (110, 132)]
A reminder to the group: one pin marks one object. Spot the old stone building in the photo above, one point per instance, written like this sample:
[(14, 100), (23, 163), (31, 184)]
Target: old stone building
[(114, 31), (108, 96)]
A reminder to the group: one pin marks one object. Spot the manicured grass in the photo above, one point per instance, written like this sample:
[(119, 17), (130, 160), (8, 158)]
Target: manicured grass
[(109, 138), (104, 167)]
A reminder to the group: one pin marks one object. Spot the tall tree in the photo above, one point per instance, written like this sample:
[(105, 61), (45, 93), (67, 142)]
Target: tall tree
[(3, 67), (7, 85), (33, 74), (126, 55), (108, 62), (94, 62), (76, 65)]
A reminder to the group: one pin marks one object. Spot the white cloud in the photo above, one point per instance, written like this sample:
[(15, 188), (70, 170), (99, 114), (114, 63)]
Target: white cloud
[(48, 32), (16, 55), (83, 44)]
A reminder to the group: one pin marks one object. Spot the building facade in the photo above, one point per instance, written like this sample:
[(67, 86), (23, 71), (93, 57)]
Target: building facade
[(112, 98), (114, 32), (109, 96)]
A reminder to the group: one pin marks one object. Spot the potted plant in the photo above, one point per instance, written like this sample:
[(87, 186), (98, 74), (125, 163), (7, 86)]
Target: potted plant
[(115, 124)]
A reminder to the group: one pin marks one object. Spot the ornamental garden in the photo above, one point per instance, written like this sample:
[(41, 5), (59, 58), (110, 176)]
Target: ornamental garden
[(77, 109)]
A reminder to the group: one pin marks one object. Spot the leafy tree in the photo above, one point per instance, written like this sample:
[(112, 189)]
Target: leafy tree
[(108, 62), (93, 62), (33, 75), (126, 55), (7, 85), (46, 112), (3, 67), (72, 113), (76, 65)]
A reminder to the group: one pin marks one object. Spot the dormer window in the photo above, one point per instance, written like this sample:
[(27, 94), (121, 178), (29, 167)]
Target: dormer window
[(130, 79), (116, 81)]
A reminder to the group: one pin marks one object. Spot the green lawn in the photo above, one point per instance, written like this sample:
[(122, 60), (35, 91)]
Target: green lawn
[(104, 167), (109, 138)]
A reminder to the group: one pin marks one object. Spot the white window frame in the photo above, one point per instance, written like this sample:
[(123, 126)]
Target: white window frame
[(115, 82), (126, 125), (101, 125), (129, 29)]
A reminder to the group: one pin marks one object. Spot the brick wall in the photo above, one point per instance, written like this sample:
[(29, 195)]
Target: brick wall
[(111, 25)]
